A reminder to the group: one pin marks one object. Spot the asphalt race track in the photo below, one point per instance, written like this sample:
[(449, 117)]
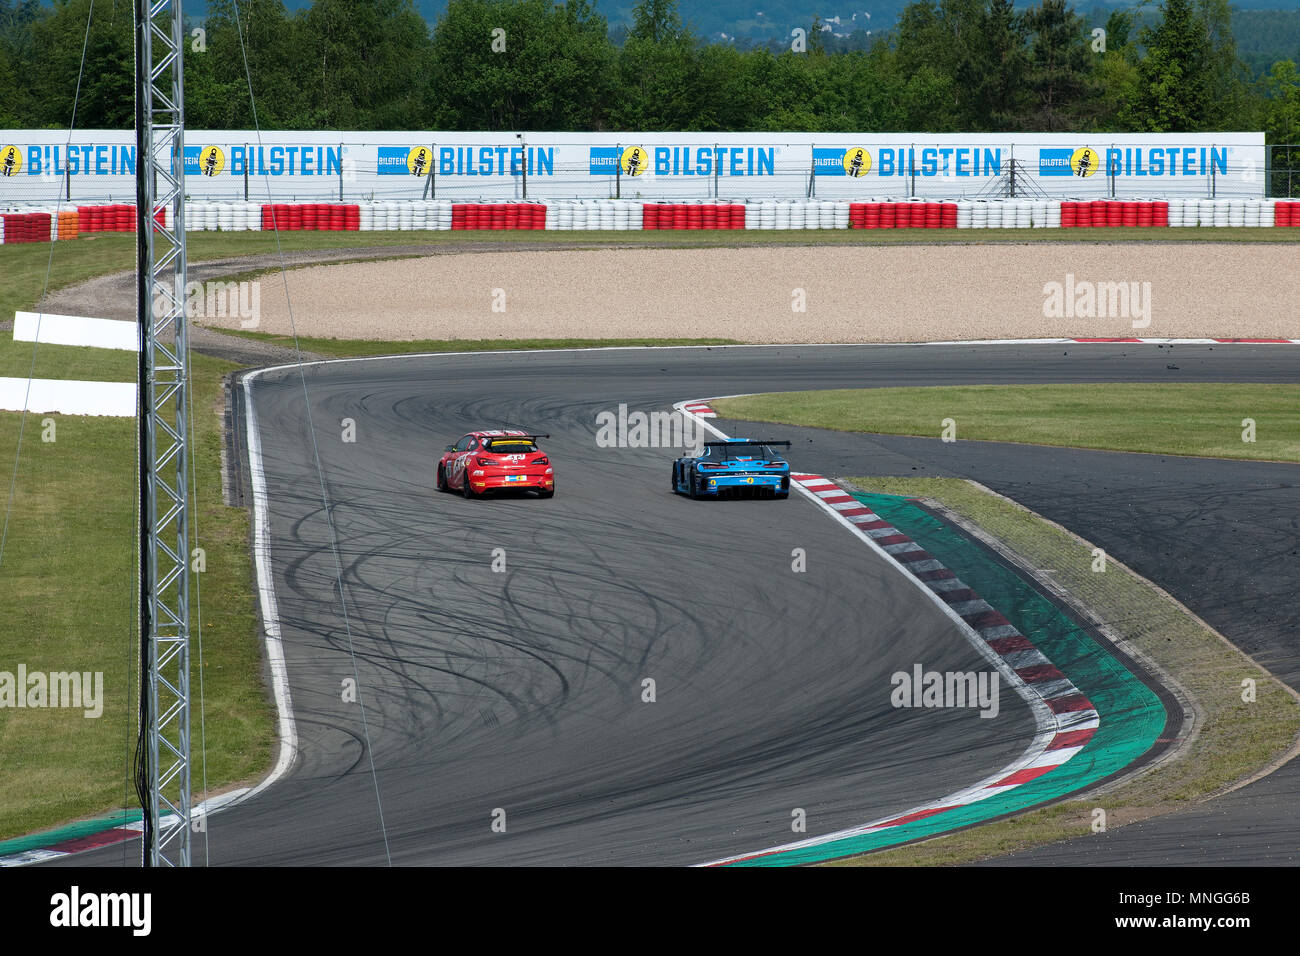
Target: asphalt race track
[(522, 690)]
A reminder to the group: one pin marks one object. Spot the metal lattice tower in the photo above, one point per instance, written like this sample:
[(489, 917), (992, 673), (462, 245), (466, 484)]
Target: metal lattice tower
[(163, 766)]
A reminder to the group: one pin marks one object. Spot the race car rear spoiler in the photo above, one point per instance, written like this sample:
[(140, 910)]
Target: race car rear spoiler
[(733, 444), (496, 438)]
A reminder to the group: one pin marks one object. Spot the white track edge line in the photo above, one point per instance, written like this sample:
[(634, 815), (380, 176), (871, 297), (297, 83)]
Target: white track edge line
[(288, 729)]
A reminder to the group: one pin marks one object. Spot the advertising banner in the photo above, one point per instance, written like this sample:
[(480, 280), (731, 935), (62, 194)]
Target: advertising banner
[(42, 166)]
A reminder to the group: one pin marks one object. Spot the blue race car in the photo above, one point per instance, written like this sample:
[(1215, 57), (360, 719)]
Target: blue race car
[(738, 467)]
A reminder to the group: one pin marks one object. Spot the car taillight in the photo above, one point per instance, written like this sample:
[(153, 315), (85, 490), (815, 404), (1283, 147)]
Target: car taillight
[(484, 461), (541, 461), (713, 466)]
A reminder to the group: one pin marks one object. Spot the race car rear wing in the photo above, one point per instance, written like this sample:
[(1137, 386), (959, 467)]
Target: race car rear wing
[(493, 439), (735, 444)]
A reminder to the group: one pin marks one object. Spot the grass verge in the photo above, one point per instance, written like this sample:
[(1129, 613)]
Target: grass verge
[(65, 361), (69, 582), (1205, 420), (1236, 739)]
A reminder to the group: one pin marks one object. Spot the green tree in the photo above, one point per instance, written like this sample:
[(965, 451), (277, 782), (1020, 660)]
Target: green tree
[(1060, 72), (1227, 94), (1280, 118), (659, 85), (105, 98), (1117, 76), (1173, 94), (1119, 27), (657, 21), (550, 69), (995, 76), (217, 94), (980, 46), (363, 63)]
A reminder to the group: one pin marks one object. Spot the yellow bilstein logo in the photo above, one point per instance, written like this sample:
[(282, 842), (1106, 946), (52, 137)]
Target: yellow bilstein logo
[(1085, 161), (418, 160), (211, 161), (11, 161), (634, 161), (857, 162)]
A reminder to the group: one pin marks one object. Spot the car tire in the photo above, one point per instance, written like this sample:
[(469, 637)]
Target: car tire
[(674, 486), (442, 478), (546, 494), (466, 489), (693, 485)]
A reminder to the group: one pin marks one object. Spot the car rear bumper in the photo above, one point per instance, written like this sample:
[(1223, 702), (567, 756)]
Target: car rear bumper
[(490, 482), (746, 484)]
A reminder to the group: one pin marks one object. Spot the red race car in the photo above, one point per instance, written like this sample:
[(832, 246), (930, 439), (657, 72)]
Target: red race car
[(495, 460)]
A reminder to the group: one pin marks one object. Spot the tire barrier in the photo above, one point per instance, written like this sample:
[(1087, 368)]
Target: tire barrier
[(597, 214), (1286, 214), (498, 215), (913, 214), (1108, 213), (705, 215), (119, 217), (285, 217), (27, 227), (44, 224), (66, 225)]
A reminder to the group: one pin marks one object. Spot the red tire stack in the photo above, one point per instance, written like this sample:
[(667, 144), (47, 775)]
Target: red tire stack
[(26, 227)]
